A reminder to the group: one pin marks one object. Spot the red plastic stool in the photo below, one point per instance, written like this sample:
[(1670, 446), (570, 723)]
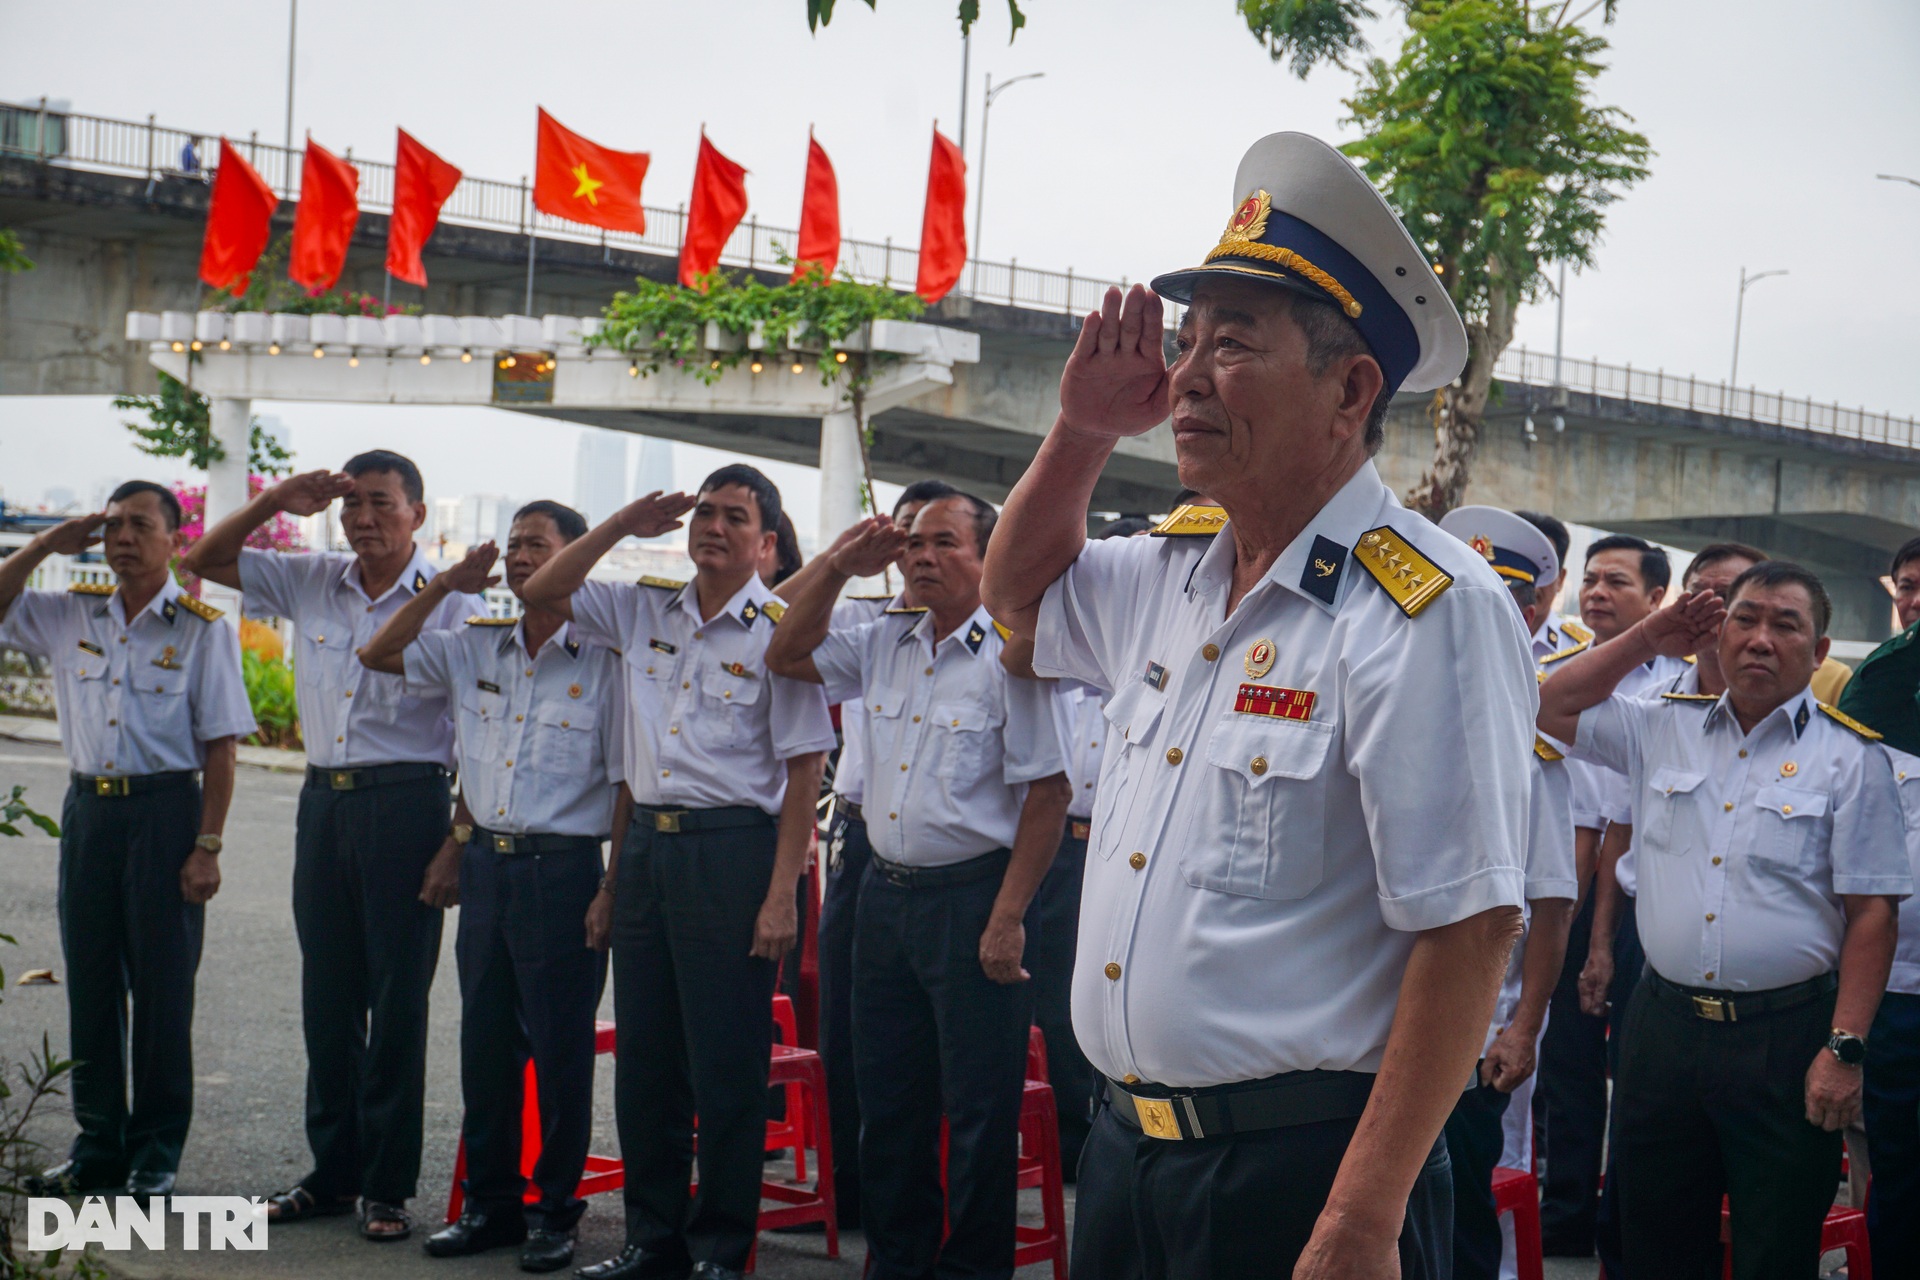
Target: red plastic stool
[(1517, 1191), (1040, 1167), (1844, 1229), (803, 1070), (792, 1131)]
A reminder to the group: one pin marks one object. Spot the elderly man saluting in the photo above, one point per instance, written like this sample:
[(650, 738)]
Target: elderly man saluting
[(1305, 870)]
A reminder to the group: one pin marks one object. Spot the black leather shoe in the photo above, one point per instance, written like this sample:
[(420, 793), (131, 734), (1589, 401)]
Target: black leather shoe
[(546, 1250), (69, 1178), (714, 1271), (635, 1263), (475, 1233), (149, 1184)]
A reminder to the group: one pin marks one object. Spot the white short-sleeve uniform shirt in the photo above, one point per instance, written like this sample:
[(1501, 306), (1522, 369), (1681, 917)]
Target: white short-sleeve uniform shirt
[(1081, 721), (952, 740), (850, 774), (1254, 880), (539, 737), (1906, 956), (708, 725), (1550, 873), (135, 696), (349, 715), (1748, 840)]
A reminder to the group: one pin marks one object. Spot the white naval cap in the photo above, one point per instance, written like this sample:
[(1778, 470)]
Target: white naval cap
[(1306, 219), (1514, 548)]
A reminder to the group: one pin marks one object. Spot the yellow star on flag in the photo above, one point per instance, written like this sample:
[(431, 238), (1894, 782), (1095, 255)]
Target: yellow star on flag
[(588, 184)]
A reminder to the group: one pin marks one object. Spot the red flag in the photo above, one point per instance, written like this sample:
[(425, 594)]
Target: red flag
[(323, 224), (719, 202), (239, 220), (422, 181), (585, 182), (819, 215), (943, 229)]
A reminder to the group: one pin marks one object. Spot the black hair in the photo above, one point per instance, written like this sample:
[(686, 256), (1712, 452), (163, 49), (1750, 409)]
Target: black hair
[(1714, 552), (1909, 550), (1554, 528), (1656, 571), (169, 505), (984, 516), (1124, 527), (1185, 496), (923, 492), (766, 495), (1782, 573), (1525, 594), (569, 522), (786, 548), (385, 460)]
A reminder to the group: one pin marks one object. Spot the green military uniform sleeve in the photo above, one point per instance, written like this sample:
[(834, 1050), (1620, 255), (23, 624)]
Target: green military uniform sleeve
[(1884, 693)]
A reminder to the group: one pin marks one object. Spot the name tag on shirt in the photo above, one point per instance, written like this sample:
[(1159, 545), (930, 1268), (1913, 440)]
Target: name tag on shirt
[(1156, 676), (1267, 700), (661, 646), (488, 685), (93, 649)]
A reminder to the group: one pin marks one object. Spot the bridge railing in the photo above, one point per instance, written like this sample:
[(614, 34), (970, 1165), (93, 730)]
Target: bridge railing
[(1673, 391), (155, 151)]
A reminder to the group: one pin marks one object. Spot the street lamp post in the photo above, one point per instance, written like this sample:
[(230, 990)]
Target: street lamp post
[(980, 179), (1739, 308)]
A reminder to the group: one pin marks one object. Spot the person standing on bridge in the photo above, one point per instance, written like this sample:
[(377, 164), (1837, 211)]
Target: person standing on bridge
[(374, 860), (148, 685)]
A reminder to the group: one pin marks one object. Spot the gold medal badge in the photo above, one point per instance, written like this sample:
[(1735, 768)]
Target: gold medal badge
[(1260, 659)]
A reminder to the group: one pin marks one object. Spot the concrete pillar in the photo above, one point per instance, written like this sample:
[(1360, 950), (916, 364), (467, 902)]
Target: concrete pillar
[(1862, 609), (841, 475), (232, 423)]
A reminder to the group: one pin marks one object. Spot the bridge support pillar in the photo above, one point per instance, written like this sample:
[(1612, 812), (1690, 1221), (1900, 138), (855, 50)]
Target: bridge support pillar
[(841, 475), (232, 429), (1862, 609)]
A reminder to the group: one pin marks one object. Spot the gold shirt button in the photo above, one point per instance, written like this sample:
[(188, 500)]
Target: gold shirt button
[(113, 724), (1716, 859), (699, 635), (1743, 753), (529, 670), (518, 719), (1786, 808), (649, 670), (566, 724), (123, 639), (686, 684), (666, 773), (116, 679), (509, 764), (903, 768), (1709, 917), (1113, 971), (1175, 755), (727, 694), (956, 724), (916, 719), (1729, 806), (109, 764), (341, 738), (1137, 861), (893, 817), (876, 707), (1210, 652), (929, 670), (675, 729), (1129, 1078), (349, 693), (502, 811), (1259, 765), (1708, 975)]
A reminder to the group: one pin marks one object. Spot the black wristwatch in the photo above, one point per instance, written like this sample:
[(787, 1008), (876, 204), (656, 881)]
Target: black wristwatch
[(1848, 1047)]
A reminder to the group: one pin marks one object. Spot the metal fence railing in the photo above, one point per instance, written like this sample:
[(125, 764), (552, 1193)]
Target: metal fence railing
[(156, 151), (1673, 391)]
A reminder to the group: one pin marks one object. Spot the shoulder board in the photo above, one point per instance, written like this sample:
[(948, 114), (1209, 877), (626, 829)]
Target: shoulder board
[(1577, 631), (1412, 580), (1690, 660), (1005, 633), (665, 584), (880, 599), (908, 608), (1544, 751), (1558, 654), (201, 609), (1194, 520), (1842, 718), (477, 621), (774, 609), (92, 588), (1691, 697)]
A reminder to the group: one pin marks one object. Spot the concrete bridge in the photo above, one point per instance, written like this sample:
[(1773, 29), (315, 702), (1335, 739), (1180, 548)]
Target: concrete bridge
[(115, 229)]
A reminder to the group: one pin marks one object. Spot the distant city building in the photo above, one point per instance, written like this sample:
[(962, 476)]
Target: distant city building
[(60, 499), (600, 474), (482, 516), (654, 472)]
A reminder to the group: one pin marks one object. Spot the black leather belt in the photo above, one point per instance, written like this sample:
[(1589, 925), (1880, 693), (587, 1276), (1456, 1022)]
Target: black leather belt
[(1278, 1102), (953, 873), (848, 809), (507, 842), (1727, 1006), (95, 785), (679, 821), (361, 777)]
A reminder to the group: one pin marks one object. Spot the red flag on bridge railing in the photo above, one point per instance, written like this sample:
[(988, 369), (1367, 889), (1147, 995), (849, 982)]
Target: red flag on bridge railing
[(323, 223), (586, 182), (943, 228), (819, 215), (239, 221), (719, 202), (422, 181)]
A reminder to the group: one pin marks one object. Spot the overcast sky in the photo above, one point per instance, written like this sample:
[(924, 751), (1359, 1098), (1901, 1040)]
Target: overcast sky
[(1768, 128)]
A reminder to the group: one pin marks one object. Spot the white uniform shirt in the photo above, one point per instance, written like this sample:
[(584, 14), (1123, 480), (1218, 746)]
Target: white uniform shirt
[(351, 716), (850, 774), (1616, 804), (951, 738), (1557, 633), (1550, 873), (539, 738), (1748, 840), (707, 724), (1253, 882), (1081, 722), (135, 697), (1906, 955)]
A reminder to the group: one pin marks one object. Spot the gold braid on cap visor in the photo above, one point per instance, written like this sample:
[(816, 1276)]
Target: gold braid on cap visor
[(1236, 247)]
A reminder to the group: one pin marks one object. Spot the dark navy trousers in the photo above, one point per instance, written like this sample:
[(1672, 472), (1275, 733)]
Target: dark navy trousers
[(848, 853), (1474, 1138), (1052, 936), (1893, 1134)]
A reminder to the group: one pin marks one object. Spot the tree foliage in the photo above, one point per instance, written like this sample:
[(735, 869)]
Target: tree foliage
[(820, 13), (13, 258), (179, 424)]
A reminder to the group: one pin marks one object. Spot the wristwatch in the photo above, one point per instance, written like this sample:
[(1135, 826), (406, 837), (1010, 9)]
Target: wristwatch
[(1848, 1047), (211, 844), (462, 833)]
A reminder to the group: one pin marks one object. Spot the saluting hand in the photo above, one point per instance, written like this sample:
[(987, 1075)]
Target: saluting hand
[(470, 575), (655, 514), (1687, 627), (1115, 383), (71, 537), (310, 492), (876, 543)]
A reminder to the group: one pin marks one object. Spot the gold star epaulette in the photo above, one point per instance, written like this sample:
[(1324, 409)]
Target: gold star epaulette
[(1194, 520), (1577, 631), (1558, 654), (665, 584), (201, 609), (1691, 697), (1690, 660), (907, 608), (1546, 751), (774, 609), (1004, 632), (92, 588), (478, 621), (1412, 580), (1842, 718)]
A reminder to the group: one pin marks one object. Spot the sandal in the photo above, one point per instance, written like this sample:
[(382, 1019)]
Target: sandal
[(297, 1202), (383, 1223)]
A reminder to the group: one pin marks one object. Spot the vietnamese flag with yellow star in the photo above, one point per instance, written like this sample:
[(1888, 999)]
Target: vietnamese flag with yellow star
[(583, 181)]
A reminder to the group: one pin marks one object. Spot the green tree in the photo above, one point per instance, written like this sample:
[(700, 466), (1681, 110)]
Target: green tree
[(820, 13), (13, 258), (1484, 135), (179, 424)]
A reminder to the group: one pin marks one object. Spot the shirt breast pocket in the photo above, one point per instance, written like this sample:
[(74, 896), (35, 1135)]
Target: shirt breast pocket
[(729, 708), (479, 723), (1132, 714), (1264, 809), (1669, 815), (564, 743), (966, 741), (1788, 825)]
